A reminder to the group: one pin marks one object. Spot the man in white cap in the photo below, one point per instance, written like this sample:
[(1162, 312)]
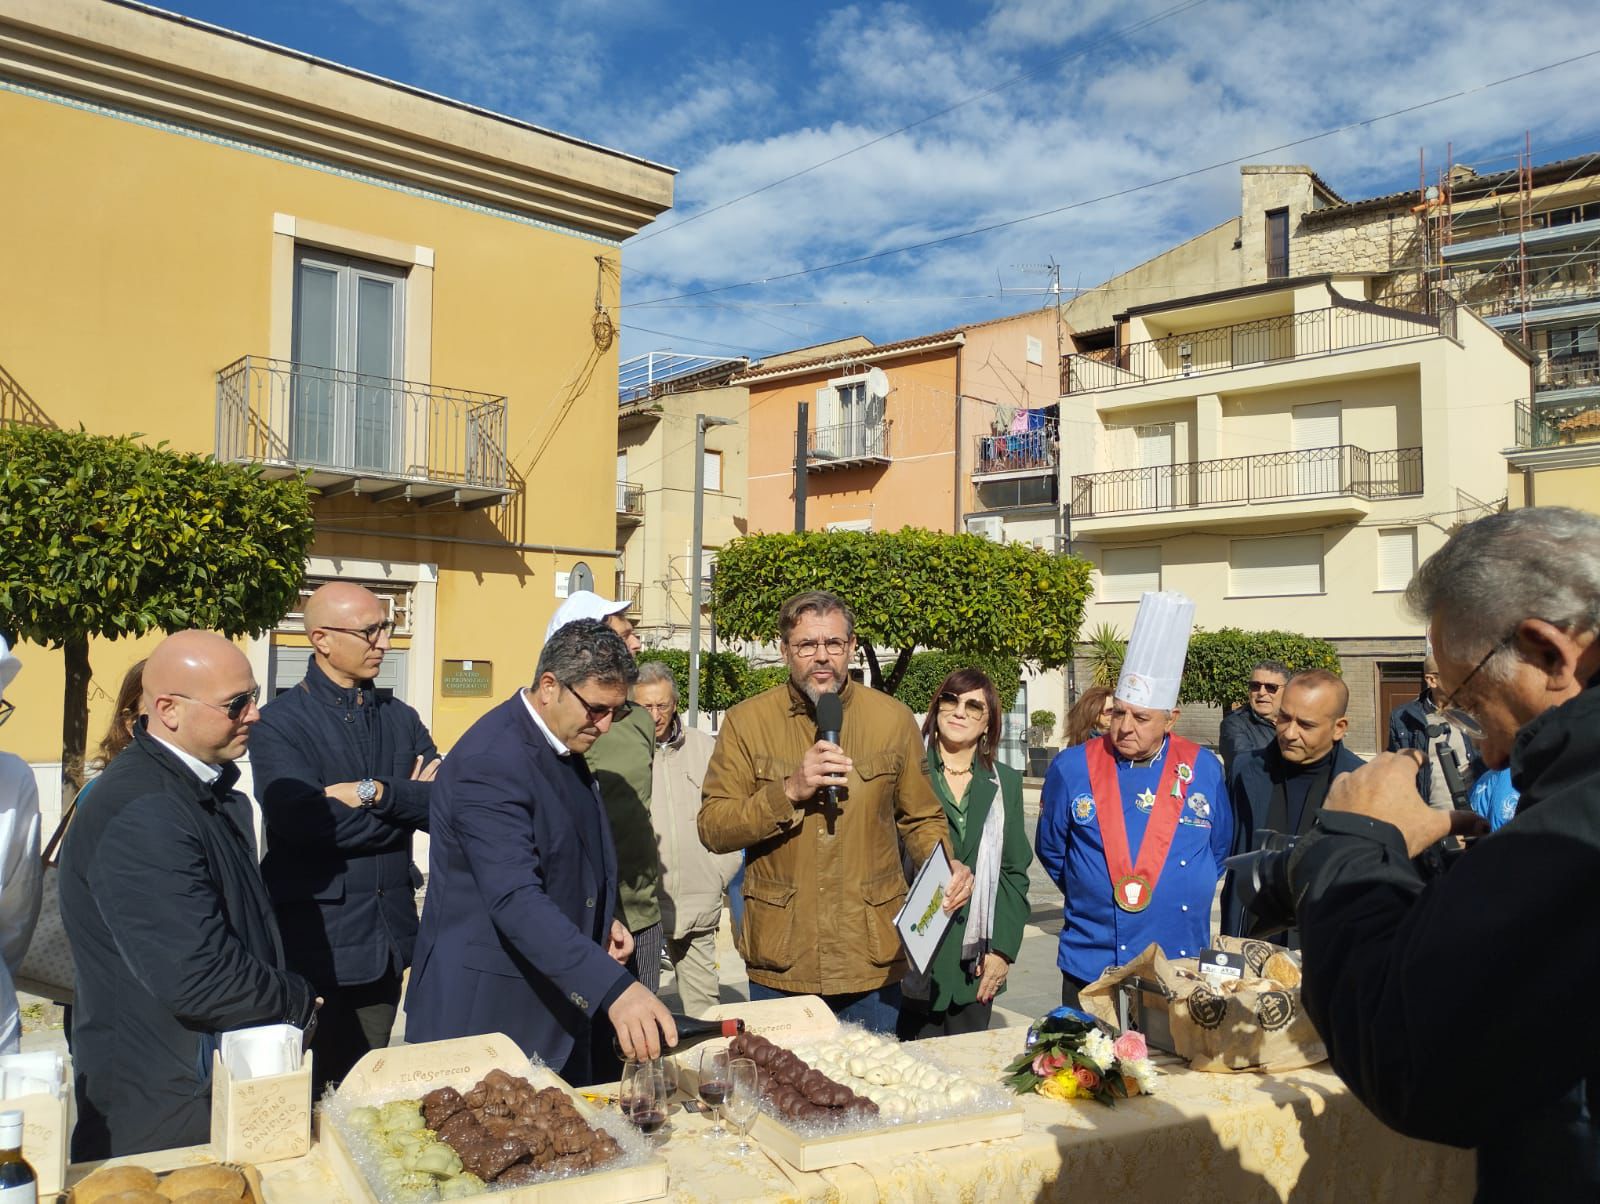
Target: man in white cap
[(1134, 825), (21, 876), (622, 761)]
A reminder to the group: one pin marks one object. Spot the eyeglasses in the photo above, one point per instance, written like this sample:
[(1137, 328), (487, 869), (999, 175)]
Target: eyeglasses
[(617, 713), (1271, 687), (657, 708), (1455, 714), (234, 708), (5, 710), (808, 648), (372, 632), (973, 708)]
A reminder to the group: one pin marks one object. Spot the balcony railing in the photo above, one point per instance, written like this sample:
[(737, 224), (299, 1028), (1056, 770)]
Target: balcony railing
[(1249, 344), (1556, 425), (630, 499), (359, 433), (629, 592), (1341, 471), (848, 444), (1555, 371), (1022, 451)]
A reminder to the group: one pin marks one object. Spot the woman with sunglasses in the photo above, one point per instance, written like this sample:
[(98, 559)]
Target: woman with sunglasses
[(982, 802)]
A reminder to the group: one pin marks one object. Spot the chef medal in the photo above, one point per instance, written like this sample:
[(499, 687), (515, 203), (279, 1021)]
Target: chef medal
[(1131, 892)]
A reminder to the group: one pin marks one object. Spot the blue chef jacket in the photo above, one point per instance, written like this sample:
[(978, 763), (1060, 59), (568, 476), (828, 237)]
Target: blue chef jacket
[(1097, 933)]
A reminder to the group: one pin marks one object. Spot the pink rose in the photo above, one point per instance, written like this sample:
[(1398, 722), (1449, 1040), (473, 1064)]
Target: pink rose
[(1130, 1047), (1046, 1064), (1087, 1079)]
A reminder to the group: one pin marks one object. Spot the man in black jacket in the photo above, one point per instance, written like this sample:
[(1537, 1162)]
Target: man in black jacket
[(1408, 728), (1403, 977), (343, 773), (1281, 788), (1253, 725), (172, 932)]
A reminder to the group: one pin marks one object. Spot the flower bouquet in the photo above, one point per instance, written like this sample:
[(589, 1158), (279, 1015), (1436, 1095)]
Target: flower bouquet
[(1069, 1057)]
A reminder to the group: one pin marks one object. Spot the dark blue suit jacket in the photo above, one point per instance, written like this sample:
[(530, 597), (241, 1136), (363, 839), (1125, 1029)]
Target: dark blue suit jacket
[(522, 883)]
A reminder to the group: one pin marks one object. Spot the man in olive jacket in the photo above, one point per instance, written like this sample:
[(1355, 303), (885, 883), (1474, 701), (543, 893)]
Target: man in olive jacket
[(820, 904)]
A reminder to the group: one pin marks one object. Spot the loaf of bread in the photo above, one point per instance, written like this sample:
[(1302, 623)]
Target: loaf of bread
[(189, 1179), (112, 1180)]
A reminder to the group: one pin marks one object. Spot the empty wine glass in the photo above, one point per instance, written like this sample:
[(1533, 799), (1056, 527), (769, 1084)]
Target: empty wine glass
[(743, 1100), (643, 1094), (714, 1084)]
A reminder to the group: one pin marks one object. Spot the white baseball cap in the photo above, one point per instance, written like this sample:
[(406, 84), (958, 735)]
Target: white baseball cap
[(585, 604), (9, 666)]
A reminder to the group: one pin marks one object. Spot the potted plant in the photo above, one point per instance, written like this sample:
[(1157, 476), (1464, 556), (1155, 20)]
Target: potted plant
[(1041, 726)]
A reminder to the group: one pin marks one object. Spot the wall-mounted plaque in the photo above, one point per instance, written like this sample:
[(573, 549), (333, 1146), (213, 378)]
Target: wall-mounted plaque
[(468, 679)]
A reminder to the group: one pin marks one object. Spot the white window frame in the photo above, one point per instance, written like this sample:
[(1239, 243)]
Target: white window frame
[(713, 457), (1386, 585), (1242, 588), (1136, 590)]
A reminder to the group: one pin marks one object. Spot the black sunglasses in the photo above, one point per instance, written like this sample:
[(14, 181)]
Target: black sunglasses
[(973, 708), (1271, 687), (617, 713), (234, 708)]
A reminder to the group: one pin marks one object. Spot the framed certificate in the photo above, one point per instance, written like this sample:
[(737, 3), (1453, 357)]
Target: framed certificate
[(923, 921)]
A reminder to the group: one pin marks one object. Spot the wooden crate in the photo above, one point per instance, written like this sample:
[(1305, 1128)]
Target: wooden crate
[(804, 1018), (418, 1069)]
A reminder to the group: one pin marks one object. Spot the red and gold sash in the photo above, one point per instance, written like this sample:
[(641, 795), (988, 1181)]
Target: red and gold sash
[(1133, 885)]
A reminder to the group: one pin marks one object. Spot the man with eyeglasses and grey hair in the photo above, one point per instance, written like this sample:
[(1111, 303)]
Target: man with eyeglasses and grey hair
[(1403, 974), (519, 933), (824, 879), (343, 772), (173, 937)]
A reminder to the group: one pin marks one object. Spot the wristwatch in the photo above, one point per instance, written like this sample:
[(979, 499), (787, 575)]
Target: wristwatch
[(366, 792)]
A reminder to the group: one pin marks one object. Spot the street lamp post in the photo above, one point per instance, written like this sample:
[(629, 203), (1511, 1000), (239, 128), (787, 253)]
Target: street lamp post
[(701, 422)]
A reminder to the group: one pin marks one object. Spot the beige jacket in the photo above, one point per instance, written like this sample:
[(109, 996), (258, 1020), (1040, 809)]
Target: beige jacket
[(819, 909), (693, 880)]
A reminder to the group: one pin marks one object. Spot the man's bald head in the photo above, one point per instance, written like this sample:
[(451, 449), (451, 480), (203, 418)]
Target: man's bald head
[(190, 681), (337, 616), (1311, 719)]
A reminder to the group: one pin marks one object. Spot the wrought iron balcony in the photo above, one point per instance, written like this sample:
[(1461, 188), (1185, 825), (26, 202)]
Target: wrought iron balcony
[(848, 445), (1542, 425), (1555, 372), (629, 592), (1341, 471), (370, 435), (1023, 451), (630, 500), (1343, 327)]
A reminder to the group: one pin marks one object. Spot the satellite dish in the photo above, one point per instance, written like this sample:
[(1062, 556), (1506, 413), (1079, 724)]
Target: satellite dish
[(877, 382)]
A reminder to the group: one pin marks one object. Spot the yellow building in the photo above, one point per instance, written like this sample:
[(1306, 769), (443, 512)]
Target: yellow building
[(1286, 454), (661, 399), (250, 252)]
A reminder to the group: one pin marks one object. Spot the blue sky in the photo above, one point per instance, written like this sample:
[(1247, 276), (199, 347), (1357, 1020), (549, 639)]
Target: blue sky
[(1113, 94)]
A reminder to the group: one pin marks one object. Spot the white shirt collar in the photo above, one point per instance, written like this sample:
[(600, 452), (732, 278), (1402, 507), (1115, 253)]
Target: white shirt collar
[(206, 773), (561, 749)]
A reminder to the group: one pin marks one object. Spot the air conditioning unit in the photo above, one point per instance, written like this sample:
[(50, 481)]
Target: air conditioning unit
[(990, 526)]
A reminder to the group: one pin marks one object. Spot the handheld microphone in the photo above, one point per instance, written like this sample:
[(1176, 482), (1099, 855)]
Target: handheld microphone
[(830, 718)]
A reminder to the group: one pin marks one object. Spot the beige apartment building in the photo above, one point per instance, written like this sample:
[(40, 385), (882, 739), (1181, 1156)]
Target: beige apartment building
[(1286, 453), (661, 397)]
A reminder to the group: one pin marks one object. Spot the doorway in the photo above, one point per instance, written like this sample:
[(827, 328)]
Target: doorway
[(1399, 682)]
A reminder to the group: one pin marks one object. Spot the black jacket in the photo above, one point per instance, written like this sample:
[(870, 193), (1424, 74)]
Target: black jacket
[(341, 878), (1414, 986), (1250, 779), (174, 941), (1243, 731), (1408, 728)]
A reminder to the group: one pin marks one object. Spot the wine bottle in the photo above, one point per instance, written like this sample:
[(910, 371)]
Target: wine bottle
[(18, 1183), (691, 1032)]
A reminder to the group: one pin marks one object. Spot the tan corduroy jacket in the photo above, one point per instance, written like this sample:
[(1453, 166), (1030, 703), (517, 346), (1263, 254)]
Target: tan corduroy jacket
[(819, 909)]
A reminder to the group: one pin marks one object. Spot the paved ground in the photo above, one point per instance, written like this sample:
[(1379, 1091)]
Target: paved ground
[(1033, 987)]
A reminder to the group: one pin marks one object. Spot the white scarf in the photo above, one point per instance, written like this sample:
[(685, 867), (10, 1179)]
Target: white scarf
[(985, 883)]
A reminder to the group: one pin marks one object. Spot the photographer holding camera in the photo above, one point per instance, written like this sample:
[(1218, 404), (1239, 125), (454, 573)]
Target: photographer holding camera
[(1413, 983)]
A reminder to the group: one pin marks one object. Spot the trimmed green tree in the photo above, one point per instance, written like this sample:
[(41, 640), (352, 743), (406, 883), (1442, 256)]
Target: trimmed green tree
[(103, 536), (909, 589), (928, 669), (723, 676), (1217, 668)]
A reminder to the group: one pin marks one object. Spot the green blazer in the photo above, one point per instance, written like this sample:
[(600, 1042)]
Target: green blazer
[(951, 984)]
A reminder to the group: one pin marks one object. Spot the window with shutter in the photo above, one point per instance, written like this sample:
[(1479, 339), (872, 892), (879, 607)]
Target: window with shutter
[(1263, 568), (1126, 573), (1397, 557)]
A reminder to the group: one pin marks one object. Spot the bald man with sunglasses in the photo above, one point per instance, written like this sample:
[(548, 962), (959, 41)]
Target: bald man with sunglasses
[(172, 932)]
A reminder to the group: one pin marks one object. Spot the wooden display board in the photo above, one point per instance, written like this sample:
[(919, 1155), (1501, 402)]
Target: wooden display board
[(418, 1069), (793, 1021)]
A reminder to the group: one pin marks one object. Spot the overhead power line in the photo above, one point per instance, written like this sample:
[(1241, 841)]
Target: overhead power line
[(1121, 192)]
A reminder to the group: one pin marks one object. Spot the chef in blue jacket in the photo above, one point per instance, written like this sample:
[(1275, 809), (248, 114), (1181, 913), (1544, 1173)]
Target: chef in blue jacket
[(1134, 825)]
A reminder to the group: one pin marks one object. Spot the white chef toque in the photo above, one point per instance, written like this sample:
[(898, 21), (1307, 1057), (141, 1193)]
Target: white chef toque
[(1152, 670)]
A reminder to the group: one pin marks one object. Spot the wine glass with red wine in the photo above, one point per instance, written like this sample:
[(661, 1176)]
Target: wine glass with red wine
[(714, 1084), (643, 1095)]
